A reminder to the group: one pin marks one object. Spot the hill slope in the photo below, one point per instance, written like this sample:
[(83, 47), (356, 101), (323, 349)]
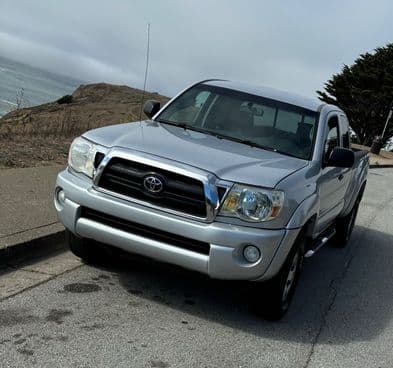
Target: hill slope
[(41, 134)]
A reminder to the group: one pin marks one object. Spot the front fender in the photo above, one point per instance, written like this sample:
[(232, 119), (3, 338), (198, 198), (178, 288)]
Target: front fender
[(304, 212)]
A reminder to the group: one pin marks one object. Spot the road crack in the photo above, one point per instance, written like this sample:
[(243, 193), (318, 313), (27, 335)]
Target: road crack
[(16, 268), (51, 277)]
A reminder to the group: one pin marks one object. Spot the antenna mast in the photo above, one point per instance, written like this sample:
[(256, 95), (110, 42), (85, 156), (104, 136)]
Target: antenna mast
[(146, 69)]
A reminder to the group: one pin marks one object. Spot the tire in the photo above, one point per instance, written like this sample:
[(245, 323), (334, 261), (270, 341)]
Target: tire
[(89, 251), (277, 293), (344, 227)]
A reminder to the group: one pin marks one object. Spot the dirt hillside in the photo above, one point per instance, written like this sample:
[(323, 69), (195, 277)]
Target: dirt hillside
[(41, 135)]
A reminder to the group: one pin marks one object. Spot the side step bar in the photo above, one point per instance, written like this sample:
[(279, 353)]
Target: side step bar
[(321, 241)]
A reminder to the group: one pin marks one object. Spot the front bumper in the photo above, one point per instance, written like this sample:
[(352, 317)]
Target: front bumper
[(225, 259)]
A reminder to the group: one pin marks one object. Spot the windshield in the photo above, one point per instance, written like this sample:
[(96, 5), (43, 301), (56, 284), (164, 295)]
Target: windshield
[(251, 119)]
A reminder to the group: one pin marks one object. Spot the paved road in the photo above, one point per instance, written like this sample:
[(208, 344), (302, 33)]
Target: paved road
[(59, 313)]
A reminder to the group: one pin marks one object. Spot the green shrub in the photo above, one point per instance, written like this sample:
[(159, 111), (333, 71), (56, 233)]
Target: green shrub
[(65, 99)]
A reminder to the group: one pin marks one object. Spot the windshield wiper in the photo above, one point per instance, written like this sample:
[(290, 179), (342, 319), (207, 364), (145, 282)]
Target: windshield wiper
[(191, 127), (246, 141), (215, 134), (186, 126), (174, 123)]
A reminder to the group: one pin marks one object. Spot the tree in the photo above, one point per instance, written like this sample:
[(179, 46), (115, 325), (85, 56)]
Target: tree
[(364, 91)]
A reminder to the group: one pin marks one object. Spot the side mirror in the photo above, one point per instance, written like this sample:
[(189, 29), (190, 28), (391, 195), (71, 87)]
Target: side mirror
[(151, 107), (341, 157)]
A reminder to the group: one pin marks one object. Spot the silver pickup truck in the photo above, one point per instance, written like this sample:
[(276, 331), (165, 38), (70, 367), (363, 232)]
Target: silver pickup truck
[(235, 181)]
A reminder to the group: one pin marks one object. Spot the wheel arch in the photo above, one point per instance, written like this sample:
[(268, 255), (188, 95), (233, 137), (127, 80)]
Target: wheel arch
[(290, 240), (305, 213), (356, 197)]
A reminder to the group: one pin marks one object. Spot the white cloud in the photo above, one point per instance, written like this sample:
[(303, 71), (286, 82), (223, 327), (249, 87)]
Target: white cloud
[(59, 61)]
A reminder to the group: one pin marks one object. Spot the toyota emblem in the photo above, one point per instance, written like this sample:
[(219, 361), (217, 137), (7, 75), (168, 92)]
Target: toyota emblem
[(153, 184)]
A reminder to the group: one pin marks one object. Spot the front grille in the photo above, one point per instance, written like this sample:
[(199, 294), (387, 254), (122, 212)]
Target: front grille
[(146, 231), (180, 193)]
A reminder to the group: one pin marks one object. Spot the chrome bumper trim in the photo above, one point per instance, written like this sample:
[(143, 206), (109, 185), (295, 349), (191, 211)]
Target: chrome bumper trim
[(137, 244)]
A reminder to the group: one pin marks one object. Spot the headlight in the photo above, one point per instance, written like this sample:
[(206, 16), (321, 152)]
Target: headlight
[(81, 156), (253, 204)]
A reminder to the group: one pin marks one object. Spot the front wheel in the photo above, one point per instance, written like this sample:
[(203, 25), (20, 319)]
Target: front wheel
[(277, 293), (89, 251)]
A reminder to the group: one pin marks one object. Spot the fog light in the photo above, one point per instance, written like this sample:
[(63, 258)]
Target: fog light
[(251, 253), (61, 197)]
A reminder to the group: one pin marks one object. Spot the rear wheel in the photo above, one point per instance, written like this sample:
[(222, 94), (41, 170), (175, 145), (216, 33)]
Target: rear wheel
[(277, 293), (344, 227)]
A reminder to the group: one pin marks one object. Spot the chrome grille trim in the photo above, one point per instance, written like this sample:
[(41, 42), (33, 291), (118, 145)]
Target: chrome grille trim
[(209, 181)]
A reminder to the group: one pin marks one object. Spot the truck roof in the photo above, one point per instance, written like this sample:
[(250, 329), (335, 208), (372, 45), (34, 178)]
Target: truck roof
[(272, 93)]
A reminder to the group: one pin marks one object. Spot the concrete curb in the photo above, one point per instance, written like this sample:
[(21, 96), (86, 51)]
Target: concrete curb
[(48, 243), (380, 166)]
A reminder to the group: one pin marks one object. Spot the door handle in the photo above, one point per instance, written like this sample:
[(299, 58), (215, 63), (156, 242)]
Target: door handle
[(341, 177)]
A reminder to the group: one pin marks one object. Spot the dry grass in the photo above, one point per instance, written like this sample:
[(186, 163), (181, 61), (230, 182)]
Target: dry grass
[(23, 151), (69, 120), (42, 134)]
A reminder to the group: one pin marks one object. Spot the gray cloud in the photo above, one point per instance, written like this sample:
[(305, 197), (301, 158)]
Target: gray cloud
[(289, 45)]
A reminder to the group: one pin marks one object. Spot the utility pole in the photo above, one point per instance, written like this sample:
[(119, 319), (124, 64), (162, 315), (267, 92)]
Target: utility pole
[(146, 70), (378, 141), (388, 119)]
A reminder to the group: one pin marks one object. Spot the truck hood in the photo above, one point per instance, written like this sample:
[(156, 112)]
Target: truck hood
[(226, 159)]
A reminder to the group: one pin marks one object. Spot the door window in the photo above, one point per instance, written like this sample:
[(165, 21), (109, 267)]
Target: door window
[(346, 140), (332, 139), (344, 129)]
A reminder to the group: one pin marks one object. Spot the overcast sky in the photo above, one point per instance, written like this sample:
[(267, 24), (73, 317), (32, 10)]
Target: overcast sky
[(291, 45)]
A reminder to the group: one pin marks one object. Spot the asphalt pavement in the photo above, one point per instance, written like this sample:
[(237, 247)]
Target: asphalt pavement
[(57, 312)]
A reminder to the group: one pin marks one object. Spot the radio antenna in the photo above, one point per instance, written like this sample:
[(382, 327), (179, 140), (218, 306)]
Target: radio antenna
[(146, 70)]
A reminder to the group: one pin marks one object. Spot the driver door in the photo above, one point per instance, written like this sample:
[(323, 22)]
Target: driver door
[(331, 181)]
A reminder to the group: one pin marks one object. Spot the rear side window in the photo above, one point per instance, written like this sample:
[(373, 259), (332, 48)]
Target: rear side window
[(262, 115), (287, 121)]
